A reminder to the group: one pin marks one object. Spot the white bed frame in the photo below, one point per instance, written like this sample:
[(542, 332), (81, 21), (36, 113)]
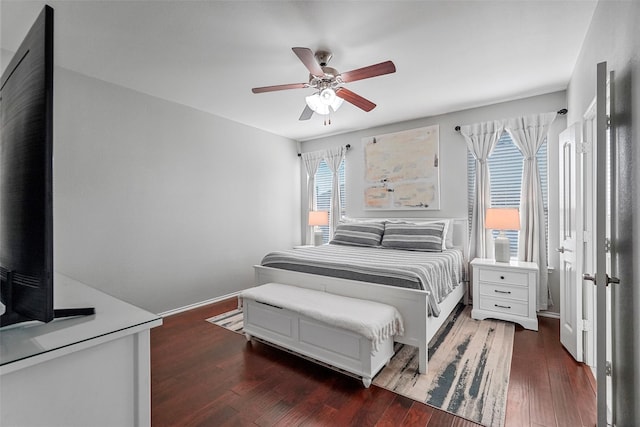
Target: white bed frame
[(419, 327)]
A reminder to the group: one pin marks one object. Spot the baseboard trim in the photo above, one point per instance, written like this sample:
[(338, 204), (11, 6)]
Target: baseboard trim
[(550, 314), (198, 304)]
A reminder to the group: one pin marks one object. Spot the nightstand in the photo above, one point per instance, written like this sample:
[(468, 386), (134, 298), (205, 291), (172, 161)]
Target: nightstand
[(505, 291)]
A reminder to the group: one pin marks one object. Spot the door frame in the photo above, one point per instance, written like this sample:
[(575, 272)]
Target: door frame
[(600, 276)]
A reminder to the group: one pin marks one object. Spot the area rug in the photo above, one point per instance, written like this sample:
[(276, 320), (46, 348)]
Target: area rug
[(468, 368)]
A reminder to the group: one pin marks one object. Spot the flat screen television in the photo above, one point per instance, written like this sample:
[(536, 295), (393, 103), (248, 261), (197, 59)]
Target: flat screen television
[(26, 180)]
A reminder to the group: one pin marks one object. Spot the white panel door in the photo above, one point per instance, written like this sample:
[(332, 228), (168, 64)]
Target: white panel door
[(570, 250)]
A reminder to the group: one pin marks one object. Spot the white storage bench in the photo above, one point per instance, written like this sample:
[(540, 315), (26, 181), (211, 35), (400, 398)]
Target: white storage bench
[(347, 333)]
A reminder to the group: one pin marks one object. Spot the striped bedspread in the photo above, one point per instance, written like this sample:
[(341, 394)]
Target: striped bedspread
[(436, 272)]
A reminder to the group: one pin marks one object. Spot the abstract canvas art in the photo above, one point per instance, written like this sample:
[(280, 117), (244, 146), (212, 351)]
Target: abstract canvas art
[(402, 170)]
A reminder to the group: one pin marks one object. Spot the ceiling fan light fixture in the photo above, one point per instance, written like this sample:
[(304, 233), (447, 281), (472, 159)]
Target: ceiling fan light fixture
[(320, 102), (327, 96)]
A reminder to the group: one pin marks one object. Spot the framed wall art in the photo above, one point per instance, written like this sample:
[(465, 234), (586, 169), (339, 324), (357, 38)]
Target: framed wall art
[(402, 170)]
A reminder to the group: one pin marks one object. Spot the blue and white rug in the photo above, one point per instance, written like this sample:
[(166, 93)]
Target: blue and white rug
[(468, 368)]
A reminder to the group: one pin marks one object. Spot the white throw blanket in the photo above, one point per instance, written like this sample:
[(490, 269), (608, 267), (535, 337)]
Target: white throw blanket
[(373, 320)]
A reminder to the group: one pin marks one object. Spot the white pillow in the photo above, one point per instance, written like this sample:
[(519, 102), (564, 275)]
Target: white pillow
[(346, 219)]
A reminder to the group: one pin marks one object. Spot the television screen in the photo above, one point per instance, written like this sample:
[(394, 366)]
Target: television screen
[(26, 181)]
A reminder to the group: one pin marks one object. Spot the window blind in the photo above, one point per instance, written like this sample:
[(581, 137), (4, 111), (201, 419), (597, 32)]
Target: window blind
[(323, 192)]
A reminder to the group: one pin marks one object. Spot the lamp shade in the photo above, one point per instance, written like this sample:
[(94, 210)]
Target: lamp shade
[(502, 219), (320, 102), (318, 218)]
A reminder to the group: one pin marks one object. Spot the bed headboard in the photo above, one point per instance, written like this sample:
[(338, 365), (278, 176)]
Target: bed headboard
[(460, 229)]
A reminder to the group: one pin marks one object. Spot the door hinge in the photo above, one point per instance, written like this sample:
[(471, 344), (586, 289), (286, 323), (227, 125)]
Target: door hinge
[(608, 369), (586, 236), (607, 244), (586, 325)]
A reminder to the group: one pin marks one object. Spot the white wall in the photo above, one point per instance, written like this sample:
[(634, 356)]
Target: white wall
[(162, 205), (453, 162), (613, 37)]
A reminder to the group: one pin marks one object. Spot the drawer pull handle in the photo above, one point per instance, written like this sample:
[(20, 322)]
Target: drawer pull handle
[(501, 292), (502, 277), (503, 306)]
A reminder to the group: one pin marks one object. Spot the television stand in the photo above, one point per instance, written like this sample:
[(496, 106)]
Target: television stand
[(92, 370)]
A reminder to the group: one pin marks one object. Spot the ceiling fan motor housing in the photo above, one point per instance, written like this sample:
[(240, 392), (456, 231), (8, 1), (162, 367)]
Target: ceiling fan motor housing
[(323, 57), (330, 79)]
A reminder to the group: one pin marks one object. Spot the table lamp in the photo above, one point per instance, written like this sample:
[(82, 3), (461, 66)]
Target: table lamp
[(317, 218), (502, 219)]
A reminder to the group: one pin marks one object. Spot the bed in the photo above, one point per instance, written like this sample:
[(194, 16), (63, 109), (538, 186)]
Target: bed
[(423, 309)]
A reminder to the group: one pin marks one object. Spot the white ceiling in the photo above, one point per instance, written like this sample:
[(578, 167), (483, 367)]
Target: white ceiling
[(450, 55)]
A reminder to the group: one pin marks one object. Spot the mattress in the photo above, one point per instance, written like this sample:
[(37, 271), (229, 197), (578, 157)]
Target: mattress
[(436, 272)]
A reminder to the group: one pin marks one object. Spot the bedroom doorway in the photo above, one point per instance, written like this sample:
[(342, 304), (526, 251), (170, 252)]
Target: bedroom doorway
[(585, 227)]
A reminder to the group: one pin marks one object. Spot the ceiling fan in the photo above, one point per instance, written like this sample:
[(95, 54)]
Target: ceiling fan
[(328, 83)]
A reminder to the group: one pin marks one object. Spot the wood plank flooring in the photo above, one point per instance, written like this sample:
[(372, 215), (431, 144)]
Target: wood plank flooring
[(202, 375)]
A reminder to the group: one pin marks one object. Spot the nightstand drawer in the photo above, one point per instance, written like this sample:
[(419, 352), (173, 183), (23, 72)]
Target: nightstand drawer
[(507, 277), (496, 290), (517, 308)]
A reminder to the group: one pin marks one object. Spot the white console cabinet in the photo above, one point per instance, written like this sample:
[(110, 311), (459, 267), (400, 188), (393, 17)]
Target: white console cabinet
[(505, 291), (81, 371)]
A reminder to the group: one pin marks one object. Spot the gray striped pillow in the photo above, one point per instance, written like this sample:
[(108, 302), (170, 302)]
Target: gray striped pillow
[(358, 234), (414, 237)]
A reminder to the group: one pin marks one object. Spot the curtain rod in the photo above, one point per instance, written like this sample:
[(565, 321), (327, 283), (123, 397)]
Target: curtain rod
[(562, 112), (346, 146)]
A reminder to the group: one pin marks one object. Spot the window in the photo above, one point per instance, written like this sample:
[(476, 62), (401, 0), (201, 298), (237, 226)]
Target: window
[(505, 166), (323, 192)]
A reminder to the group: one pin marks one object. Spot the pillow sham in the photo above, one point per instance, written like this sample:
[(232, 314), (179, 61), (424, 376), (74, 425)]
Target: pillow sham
[(358, 234), (447, 241), (426, 237)]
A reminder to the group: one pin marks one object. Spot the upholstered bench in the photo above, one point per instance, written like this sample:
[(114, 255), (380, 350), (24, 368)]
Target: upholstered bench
[(350, 334)]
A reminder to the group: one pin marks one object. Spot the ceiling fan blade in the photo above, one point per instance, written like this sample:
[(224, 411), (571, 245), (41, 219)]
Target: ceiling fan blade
[(306, 113), (355, 99), (279, 87), (309, 60), (380, 69)]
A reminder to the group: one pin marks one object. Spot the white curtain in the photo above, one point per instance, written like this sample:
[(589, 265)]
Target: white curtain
[(528, 133), (334, 157), (481, 139), (311, 162)]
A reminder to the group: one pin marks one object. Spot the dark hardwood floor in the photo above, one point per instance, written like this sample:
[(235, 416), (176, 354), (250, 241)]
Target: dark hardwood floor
[(207, 376)]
